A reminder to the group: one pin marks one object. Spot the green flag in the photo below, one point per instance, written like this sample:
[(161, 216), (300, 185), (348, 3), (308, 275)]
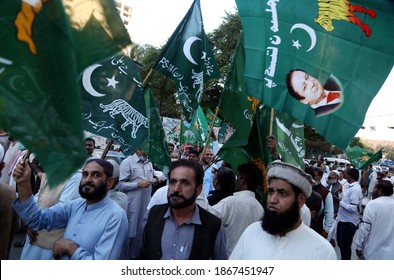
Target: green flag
[(186, 135), (235, 106), (41, 56), (361, 158), (199, 125), (345, 50), (156, 148), (113, 103), (187, 59), (289, 134), (210, 115)]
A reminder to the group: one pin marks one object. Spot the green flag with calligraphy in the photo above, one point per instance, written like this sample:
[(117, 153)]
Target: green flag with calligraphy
[(186, 135), (210, 116), (289, 134), (156, 148), (187, 59), (362, 158), (236, 107), (40, 60), (113, 103), (321, 61), (199, 125)]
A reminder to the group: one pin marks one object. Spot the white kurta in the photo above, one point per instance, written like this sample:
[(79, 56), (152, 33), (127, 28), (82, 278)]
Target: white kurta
[(302, 243), (375, 234), (237, 212)]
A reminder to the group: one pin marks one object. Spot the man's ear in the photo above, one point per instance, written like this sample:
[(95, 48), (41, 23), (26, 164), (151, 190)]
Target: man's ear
[(199, 189), (110, 182), (301, 199)]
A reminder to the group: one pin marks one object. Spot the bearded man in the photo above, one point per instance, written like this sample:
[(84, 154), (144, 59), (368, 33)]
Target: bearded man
[(180, 229), (96, 226), (281, 234)]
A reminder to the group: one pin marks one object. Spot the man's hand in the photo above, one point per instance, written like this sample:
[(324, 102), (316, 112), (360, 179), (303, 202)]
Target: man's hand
[(359, 254), (271, 146), (324, 233), (144, 183), (32, 235), (63, 247), (21, 176)]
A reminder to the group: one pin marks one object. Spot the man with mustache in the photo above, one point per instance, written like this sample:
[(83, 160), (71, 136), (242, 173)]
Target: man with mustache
[(96, 227), (180, 229), (281, 234), (308, 90)]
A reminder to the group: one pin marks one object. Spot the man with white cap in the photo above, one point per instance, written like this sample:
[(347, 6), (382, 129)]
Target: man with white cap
[(281, 234)]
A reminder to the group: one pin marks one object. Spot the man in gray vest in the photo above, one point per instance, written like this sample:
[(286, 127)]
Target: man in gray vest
[(180, 229)]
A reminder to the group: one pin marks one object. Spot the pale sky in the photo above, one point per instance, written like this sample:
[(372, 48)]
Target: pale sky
[(156, 20)]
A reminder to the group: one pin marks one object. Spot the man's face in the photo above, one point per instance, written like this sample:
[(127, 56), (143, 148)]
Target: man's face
[(283, 208), (89, 147), (332, 178), (94, 183), (170, 148), (192, 156), (208, 156), (307, 86), (182, 188), (174, 156)]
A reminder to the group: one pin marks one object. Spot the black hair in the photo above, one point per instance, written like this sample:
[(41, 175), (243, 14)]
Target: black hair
[(290, 87), (353, 173), (252, 174), (226, 179), (192, 164), (386, 187), (90, 139)]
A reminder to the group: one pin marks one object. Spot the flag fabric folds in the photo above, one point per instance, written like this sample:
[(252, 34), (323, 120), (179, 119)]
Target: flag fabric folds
[(199, 125), (187, 59), (39, 92), (156, 147), (113, 103), (210, 116), (320, 61), (362, 158)]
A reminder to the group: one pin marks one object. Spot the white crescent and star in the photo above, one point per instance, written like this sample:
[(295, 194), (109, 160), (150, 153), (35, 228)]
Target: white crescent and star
[(86, 82), (308, 30), (187, 46)]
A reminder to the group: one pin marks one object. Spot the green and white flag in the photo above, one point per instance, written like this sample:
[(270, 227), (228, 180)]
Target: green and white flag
[(199, 125), (289, 134), (44, 47), (113, 103), (156, 148), (187, 59), (362, 158), (186, 135), (321, 61), (210, 115)]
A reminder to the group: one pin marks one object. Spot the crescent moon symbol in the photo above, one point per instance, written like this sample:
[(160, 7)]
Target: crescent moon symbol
[(187, 46), (86, 80), (310, 32)]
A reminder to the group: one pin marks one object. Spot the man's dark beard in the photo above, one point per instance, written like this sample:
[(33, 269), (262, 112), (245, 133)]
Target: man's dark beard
[(182, 204), (100, 191), (280, 223)]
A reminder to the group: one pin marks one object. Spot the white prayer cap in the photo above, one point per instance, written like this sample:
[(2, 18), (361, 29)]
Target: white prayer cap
[(336, 172), (291, 174), (116, 168), (1, 153)]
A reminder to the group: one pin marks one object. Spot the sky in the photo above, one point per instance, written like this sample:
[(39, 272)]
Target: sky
[(159, 18)]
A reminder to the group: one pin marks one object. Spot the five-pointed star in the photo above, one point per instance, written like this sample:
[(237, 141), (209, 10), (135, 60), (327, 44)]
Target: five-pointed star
[(112, 82), (296, 44)]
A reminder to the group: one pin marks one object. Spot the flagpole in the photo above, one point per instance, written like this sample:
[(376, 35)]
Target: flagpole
[(147, 78), (209, 134), (105, 152), (272, 120)]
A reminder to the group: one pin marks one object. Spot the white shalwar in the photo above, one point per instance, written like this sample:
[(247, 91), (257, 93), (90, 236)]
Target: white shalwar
[(303, 243)]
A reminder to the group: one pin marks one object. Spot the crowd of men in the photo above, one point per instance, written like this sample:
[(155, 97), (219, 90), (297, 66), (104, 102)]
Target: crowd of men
[(202, 209)]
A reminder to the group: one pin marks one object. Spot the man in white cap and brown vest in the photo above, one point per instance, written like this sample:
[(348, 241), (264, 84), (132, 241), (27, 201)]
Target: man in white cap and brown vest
[(281, 234)]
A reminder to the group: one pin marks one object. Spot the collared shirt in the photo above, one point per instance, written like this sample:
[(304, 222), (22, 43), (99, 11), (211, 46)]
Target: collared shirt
[(131, 171), (375, 234), (302, 243), (348, 211), (237, 212), (177, 240), (208, 180), (99, 229)]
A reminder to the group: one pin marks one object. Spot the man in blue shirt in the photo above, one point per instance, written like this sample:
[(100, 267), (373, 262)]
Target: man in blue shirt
[(96, 227)]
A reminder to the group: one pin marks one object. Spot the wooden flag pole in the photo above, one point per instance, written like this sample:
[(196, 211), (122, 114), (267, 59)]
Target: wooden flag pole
[(147, 78), (209, 134), (272, 120), (105, 152)]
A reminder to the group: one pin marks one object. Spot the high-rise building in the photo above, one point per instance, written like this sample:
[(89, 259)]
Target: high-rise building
[(125, 11)]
